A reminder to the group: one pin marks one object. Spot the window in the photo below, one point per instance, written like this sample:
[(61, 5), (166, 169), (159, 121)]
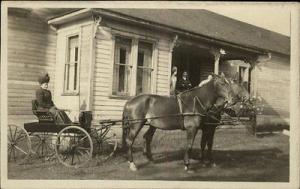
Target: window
[(144, 68), (71, 65), (244, 76), (122, 67), (132, 67)]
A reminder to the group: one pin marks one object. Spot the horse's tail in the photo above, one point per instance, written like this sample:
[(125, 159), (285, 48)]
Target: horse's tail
[(125, 128)]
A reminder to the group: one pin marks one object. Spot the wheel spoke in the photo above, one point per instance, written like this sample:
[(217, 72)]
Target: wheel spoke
[(82, 140), (83, 148), (15, 133), (43, 144), (78, 157), (21, 136), (73, 153), (18, 148), (10, 132), (37, 150), (14, 154), (10, 153), (65, 157), (80, 152)]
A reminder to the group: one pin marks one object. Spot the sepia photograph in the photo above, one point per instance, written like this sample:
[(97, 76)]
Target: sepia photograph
[(149, 95)]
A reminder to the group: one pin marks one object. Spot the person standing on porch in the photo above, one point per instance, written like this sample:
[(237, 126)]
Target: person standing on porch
[(44, 101), (184, 82), (173, 81)]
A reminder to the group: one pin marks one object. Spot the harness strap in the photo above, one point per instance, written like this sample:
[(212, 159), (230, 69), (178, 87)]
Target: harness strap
[(196, 99), (179, 102)]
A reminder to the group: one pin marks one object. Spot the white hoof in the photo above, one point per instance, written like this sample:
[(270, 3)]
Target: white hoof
[(214, 165), (186, 168), (132, 166)]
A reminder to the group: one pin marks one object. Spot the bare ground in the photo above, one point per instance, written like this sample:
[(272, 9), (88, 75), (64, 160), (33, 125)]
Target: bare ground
[(239, 157)]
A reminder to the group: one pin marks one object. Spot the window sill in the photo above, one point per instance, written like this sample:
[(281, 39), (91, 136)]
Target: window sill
[(70, 94), (121, 97)]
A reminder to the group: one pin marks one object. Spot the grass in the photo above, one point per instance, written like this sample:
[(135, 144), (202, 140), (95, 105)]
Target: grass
[(239, 157)]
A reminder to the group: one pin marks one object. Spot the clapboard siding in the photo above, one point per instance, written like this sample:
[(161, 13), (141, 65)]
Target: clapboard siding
[(106, 107), (273, 82), (163, 67), (31, 52), (102, 78), (205, 70)]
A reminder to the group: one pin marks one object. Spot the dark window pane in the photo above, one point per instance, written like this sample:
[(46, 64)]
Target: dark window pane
[(140, 59), (76, 53), (75, 77), (121, 78), (122, 56)]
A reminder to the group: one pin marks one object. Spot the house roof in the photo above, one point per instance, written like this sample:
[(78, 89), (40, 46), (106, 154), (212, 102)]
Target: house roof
[(206, 23), (199, 22)]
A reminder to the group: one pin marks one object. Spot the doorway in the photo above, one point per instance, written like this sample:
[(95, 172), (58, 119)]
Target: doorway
[(196, 61)]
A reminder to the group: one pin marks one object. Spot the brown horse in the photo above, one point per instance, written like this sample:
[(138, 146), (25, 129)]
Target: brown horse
[(185, 111), (209, 124)]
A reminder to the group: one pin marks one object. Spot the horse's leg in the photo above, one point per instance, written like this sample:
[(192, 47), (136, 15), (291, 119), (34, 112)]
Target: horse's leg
[(133, 132), (203, 144), (210, 145), (148, 136), (191, 133)]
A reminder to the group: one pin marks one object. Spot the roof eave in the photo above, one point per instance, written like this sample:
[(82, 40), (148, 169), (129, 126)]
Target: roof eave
[(71, 17)]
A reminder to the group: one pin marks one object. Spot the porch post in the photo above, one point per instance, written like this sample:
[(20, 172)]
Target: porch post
[(94, 29), (172, 45), (216, 54)]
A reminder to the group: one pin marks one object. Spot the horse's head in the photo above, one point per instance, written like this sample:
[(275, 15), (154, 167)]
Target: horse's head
[(222, 89), (239, 92)]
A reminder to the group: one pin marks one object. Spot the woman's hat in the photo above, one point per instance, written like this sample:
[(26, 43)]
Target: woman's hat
[(44, 79)]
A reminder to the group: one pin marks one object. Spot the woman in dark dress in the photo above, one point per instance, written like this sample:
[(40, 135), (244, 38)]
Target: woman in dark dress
[(44, 101)]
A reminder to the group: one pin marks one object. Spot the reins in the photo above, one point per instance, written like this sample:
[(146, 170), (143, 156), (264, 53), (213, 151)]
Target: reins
[(199, 102)]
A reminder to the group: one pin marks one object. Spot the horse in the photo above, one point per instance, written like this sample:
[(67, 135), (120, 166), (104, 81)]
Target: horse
[(209, 124), (184, 111)]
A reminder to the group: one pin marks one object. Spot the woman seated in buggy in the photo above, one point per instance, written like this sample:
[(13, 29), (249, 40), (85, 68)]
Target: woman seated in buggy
[(45, 103)]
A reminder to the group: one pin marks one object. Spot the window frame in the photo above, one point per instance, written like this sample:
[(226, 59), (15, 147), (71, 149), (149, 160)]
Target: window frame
[(118, 93), (67, 38), (135, 39), (144, 67)]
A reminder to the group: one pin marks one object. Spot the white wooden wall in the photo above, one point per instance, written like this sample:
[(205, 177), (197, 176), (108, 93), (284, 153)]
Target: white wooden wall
[(104, 106), (31, 52), (74, 102), (273, 85)]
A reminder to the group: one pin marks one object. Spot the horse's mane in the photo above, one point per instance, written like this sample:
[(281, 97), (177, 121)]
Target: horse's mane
[(195, 88)]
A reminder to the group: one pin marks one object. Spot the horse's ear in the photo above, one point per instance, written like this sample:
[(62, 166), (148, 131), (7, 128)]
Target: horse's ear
[(213, 74)]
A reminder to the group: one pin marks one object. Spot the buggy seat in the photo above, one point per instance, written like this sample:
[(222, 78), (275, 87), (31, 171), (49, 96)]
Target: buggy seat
[(44, 116), (46, 122)]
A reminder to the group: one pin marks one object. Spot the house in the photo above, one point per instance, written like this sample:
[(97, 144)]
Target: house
[(99, 58)]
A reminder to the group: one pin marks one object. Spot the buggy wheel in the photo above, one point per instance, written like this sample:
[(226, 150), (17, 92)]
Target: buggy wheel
[(105, 143), (42, 144), (19, 144), (73, 147)]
